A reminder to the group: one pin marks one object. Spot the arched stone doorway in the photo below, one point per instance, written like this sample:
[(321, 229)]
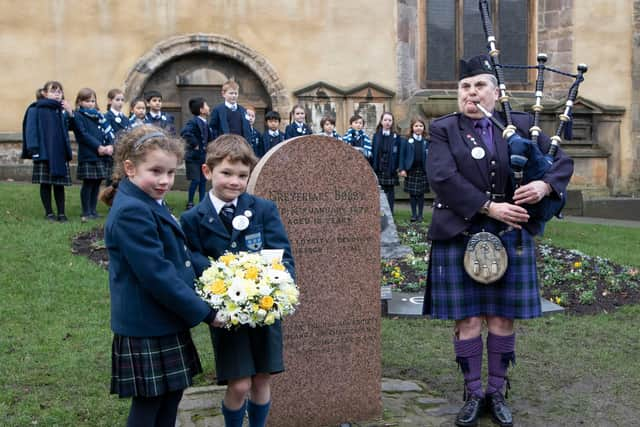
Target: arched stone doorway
[(185, 66)]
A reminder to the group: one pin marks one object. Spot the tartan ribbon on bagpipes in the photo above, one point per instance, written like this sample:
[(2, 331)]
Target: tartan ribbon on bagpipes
[(528, 162)]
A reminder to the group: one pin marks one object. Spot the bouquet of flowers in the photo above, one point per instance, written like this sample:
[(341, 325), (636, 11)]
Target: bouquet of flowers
[(248, 289)]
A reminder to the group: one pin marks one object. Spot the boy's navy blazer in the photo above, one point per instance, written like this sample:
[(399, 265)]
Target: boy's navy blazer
[(255, 140), (220, 124), (165, 121), (268, 141), (89, 137), (407, 152), (118, 122), (208, 237), (461, 182), (151, 274), (395, 150), (291, 131), (196, 148)]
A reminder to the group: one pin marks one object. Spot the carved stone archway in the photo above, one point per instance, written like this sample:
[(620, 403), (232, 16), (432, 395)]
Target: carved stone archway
[(177, 46)]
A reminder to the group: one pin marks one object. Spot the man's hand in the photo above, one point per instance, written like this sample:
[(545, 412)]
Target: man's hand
[(531, 193)]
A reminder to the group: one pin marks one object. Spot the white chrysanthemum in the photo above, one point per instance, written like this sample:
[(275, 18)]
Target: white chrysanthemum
[(236, 291), (209, 275), (250, 288), (264, 289)]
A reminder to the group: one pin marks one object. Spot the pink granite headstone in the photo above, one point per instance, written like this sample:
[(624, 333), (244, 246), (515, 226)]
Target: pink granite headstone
[(328, 199)]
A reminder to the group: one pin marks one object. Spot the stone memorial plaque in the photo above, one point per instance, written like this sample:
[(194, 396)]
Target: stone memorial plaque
[(328, 199)]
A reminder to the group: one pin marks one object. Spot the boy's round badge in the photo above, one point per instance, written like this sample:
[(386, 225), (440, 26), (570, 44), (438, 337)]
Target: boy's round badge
[(248, 213), (240, 222), (477, 153), (118, 119)]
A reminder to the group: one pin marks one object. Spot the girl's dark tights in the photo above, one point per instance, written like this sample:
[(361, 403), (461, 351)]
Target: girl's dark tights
[(159, 411), (58, 194), (89, 196)]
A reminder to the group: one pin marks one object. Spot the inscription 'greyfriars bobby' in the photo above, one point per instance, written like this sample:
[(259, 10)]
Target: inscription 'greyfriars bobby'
[(328, 199)]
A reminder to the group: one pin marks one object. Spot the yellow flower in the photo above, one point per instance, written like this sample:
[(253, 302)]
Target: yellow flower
[(218, 287), (266, 302), (577, 264), (227, 258), (251, 273), (270, 319), (255, 308), (277, 266)]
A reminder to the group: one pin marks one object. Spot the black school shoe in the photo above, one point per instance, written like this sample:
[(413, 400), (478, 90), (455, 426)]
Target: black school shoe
[(62, 218), (500, 412), (470, 411), (50, 217)]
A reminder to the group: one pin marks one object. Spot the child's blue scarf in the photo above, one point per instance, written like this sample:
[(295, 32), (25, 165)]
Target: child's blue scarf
[(103, 123)]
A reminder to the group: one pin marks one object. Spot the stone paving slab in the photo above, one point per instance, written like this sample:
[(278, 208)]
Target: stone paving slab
[(409, 304), (405, 404)]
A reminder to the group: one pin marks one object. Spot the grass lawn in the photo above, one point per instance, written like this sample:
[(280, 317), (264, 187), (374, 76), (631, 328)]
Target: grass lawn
[(55, 337)]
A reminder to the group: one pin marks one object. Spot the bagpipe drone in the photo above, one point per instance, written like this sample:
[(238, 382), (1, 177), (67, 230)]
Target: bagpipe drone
[(528, 162)]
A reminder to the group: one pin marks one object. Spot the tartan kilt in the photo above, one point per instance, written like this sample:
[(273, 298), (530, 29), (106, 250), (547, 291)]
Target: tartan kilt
[(152, 366), (384, 180), (452, 294), (100, 169), (41, 174), (416, 182)]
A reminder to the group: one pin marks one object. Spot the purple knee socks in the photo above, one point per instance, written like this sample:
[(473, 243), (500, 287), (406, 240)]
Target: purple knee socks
[(501, 352), (469, 358)]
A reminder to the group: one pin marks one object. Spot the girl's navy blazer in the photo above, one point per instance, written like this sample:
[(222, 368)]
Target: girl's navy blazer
[(395, 151), (291, 131), (207, 235), (89, 137), (150, 271), (407, 152), (118, 122)]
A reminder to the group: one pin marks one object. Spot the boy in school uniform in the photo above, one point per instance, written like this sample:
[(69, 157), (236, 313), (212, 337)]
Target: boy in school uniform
[(155, 116), (232, 220), (230, 117), (356, 137), (272, 135), (255, 140), (197, 133)]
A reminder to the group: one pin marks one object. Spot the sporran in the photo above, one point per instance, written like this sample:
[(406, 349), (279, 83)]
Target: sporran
[(485, 258)]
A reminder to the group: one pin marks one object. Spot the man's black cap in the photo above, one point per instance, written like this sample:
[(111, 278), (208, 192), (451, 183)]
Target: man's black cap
[(480, 64)]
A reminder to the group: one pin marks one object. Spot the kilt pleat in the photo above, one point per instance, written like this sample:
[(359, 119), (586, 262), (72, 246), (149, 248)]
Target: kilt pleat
[(416, 182), (452, 294), (42, 175), (101, 169), (384, 180), (152, 366)]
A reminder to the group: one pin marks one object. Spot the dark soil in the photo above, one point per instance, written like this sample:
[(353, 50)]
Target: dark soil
[(580, 283)]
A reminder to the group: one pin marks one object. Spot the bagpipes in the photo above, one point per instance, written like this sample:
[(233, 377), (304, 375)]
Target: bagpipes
[(528, 162)]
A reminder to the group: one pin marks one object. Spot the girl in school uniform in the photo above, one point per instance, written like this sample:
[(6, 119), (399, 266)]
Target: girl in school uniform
[(114, 115), (153, 302), (297, 125), (386, 155), (46, 142), (137, 112), (245, 357), (95, 148), (413, 167)]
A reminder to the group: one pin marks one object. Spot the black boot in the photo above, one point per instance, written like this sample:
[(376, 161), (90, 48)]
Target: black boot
[(470, 411), (500, 412)]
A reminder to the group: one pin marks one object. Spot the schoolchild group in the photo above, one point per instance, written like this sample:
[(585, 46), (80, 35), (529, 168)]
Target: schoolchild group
[(48, 121)]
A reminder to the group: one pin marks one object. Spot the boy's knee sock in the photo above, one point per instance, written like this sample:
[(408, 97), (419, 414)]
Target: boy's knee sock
[(144, 411), (45, 197), (192, 190), (501, 352), (233, 418), (420, 200), (258, 414), (58, 194), (469, 358), (391, 196)]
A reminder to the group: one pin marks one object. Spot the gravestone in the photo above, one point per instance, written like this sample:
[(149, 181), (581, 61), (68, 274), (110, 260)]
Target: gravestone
[(328, 199)]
